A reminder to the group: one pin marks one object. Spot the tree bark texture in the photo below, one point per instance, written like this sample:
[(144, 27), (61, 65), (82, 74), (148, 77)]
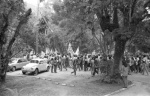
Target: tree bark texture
[(119, 51), (5, 60)]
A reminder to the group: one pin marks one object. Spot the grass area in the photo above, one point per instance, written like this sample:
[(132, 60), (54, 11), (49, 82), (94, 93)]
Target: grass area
[(26, 86), (29, 86)]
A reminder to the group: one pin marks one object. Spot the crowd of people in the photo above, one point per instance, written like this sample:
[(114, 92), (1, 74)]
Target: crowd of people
[(138, 64), (134, 64), (88, 62), (100, 64), (85, 62)]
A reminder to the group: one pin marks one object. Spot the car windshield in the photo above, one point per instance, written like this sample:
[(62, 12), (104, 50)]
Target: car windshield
[(34, 61)]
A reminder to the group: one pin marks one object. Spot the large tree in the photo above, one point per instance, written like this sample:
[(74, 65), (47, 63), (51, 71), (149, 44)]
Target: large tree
[(12, 18), (121, 18)]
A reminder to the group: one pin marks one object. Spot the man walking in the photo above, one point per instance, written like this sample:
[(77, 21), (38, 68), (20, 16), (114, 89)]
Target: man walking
[(75, 61), (124, 72)]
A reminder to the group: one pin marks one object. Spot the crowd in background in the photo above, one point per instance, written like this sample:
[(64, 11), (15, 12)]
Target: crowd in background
[(138, 64), (85, 62), (100, 64), (88, 62)]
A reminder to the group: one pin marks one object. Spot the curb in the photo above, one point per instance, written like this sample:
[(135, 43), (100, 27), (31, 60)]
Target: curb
[(120, 90)]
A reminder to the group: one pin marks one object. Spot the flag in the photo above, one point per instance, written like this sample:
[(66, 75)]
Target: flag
[(42, 54), (70, 50), (77, 51), (47, 51), (94, 53)]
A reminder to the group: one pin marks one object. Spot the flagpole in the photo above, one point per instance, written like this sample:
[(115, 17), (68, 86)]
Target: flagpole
[(37, 42)]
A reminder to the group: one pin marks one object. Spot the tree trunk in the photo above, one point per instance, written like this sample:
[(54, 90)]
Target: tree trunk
[(119, 51), (4, 60)]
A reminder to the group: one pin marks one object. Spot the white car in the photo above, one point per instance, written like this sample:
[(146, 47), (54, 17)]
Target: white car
[(35, 66), (17, 63)]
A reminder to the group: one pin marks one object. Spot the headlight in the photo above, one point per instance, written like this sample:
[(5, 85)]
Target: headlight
[(32, 68)]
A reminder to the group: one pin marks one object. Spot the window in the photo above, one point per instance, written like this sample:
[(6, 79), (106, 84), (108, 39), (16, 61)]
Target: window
[(41, 62), (34, 61), (24, 60), (19, 61)]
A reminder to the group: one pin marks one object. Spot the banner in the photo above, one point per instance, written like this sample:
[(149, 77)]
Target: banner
[(47, 51), (77, 51), (70, 50), (42, 54)]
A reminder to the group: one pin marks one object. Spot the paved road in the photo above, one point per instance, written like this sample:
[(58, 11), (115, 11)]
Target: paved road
[(141, 88)]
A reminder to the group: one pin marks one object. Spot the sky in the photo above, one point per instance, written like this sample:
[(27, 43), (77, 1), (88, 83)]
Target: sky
[(33, 2)]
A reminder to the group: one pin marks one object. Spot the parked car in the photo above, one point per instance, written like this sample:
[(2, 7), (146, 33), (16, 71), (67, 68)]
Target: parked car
[(35, 66), (17, 63)]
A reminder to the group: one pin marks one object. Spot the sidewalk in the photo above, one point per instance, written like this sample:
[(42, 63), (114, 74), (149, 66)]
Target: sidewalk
[(141, 88)]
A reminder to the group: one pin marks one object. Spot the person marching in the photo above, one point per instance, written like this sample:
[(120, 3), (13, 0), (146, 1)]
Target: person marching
[(145, 65), (124, 72), (75, 61), (54, 65), (78, 63), (94, 65), (59, 63), (64, 62)]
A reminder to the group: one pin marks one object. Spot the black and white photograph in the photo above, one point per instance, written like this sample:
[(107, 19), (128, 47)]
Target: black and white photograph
[(74, 47)]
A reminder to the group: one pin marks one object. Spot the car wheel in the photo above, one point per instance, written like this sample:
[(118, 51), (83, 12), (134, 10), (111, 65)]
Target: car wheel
[(36, 72), (23, 73), (48, 68), (13, 68)]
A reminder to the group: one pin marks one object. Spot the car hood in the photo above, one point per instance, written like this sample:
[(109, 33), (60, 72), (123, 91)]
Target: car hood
[(31, 65), (11, 64)]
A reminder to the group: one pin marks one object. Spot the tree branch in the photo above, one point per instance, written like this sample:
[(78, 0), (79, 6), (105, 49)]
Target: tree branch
[(23, 20)]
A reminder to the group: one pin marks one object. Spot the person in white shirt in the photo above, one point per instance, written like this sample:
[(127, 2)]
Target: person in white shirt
[(145, 65)]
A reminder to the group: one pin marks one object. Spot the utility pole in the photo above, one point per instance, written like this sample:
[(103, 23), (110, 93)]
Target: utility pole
[(37, 34)]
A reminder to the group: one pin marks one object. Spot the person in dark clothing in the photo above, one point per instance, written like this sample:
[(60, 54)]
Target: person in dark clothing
[(59, 64), (124, 72), (94, 66), (85, 64), (78, 63), (81, 63), (139, 65), (75, 61), (54, 65), (67, 62)]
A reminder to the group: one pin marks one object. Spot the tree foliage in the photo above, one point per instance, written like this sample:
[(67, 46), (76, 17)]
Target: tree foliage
[(12, 18), (122, 19)]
